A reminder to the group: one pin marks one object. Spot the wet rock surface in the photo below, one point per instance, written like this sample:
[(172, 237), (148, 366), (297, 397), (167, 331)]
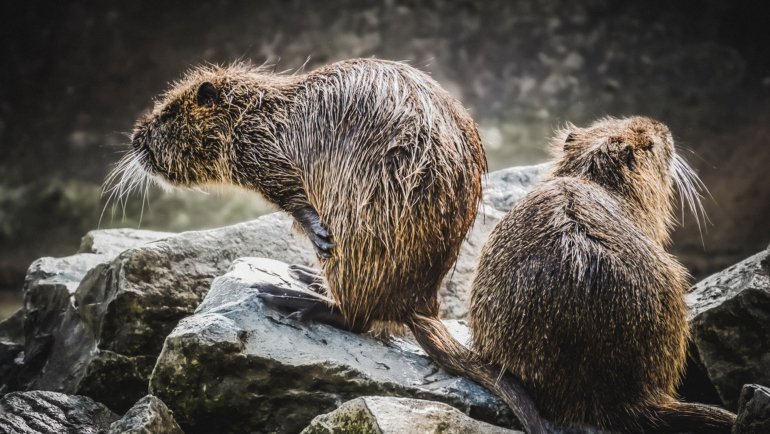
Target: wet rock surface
[(390, 415), (46, 340), (730, 322), (753, 410), (148, 416), (240, 366), (40, 412), (137, 299)]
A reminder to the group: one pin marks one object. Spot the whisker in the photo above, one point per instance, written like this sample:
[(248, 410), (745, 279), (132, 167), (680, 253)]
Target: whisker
[(127, 175), (690, 188)]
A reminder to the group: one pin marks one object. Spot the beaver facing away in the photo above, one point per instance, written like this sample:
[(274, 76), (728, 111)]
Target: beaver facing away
[(377, 164), (576, 295)]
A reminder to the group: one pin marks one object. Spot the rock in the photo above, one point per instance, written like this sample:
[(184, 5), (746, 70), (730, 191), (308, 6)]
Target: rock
[(112, 242), (730, 322), (129, 303), (390, 415), (51, 412), (11, 343), (507, 186), (148, 416), (54, 338), (137, 299), (238, 366), (753, 410)]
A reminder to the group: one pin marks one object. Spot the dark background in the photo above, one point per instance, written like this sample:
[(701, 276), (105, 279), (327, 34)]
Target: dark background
[(75, 76)]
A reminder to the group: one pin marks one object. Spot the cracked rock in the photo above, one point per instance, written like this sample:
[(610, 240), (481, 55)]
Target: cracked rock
[(42, 344), (730, 322), (148, 416), (753, 410), (238, 366), (41, 412), (391, 415)]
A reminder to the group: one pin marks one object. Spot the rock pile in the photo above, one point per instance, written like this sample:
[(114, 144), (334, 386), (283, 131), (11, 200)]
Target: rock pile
[(137, 321)]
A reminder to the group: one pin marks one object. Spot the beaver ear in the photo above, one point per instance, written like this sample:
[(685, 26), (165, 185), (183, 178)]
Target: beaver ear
[(569, 139), (627, 156), (207, 94)]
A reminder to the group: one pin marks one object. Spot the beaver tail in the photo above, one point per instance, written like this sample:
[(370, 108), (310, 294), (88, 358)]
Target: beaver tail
[(447, 352), (672, 416)]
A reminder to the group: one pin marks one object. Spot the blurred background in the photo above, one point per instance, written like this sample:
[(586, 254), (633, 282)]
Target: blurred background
[(75, 76)]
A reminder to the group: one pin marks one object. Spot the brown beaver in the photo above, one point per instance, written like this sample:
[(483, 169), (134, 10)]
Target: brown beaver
[(375, 161), (578, 298)]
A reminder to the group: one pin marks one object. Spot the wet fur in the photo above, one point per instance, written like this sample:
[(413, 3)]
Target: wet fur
[(575, 292), (391, 163)]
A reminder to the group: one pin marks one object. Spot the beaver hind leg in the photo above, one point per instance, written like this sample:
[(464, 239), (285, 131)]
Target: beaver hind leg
[(304, 306)]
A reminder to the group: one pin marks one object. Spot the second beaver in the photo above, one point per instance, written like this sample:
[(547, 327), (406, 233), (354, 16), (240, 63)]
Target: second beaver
[(374, 160), (576, 294)]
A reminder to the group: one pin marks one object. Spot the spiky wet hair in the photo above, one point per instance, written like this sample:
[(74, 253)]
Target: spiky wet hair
[(187, 139), (636, 158)]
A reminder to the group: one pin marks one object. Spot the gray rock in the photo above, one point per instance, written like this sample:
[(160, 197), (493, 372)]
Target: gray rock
[(95, 323), (238, 366), (730, 321), (753, 410), (507, 186), (55, 341), (129, 304), (136, 300), (390, 415), (112, 242), (148, 416), (39, 412), (11, 343)]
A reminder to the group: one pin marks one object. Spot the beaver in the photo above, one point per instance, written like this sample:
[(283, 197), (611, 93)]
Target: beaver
[(377, 164), (576, 295)]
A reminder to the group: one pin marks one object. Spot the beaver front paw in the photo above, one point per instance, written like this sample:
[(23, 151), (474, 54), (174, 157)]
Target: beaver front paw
[(310, 221)]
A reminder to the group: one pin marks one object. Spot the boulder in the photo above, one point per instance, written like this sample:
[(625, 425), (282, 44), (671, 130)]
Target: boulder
[(134, 301), (148, 416), (127, 289), (237, 366), (391, 415), (11, 345), (39, 412), (753, 410), (504, 188), (112, 242), (49, 319), (730, 323)]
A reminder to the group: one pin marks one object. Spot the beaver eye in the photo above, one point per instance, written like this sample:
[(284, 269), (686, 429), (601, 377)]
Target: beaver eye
[(207, 94)]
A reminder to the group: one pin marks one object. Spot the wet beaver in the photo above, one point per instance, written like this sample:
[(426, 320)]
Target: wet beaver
[(377, 164), (576, 295)]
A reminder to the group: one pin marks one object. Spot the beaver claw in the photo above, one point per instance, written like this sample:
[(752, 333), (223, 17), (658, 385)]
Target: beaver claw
[(309, 276), (302, 306), (310, 221)]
